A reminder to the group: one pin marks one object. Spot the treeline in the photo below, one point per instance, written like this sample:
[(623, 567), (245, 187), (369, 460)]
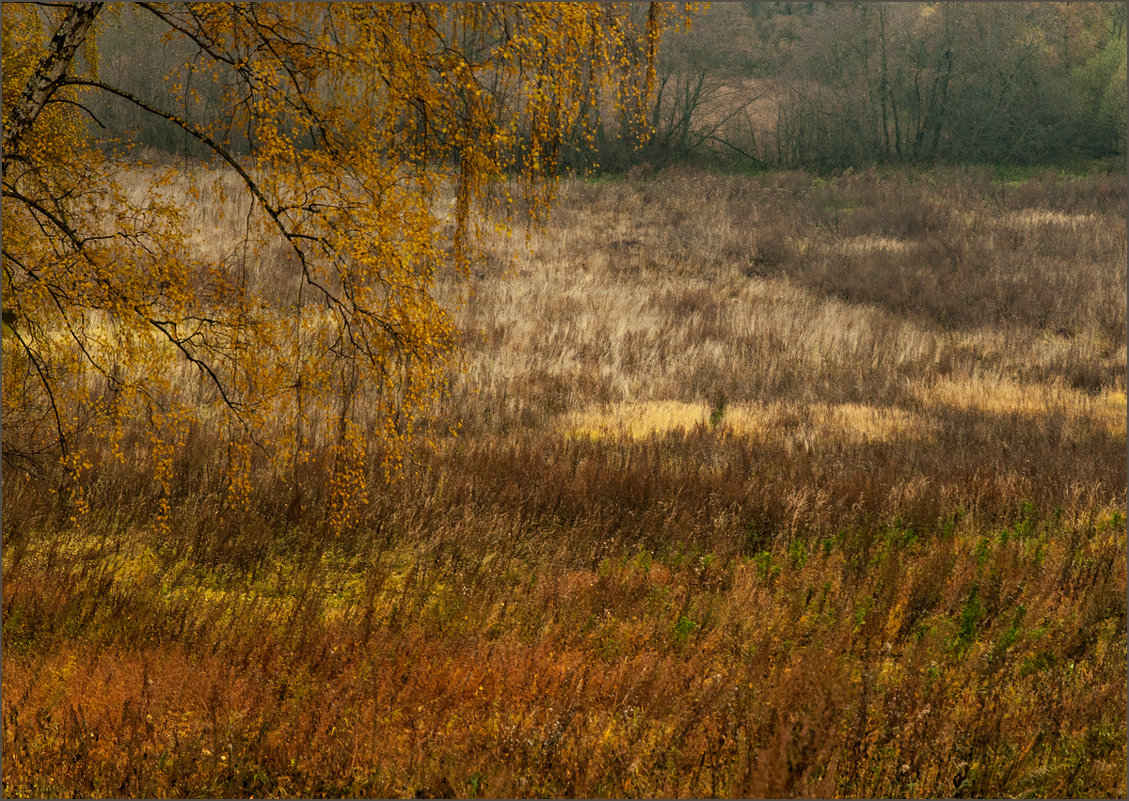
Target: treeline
[(837, 85), (1003, 83), (821, 86)]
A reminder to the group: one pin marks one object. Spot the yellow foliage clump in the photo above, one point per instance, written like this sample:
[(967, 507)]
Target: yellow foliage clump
[(371, 136)]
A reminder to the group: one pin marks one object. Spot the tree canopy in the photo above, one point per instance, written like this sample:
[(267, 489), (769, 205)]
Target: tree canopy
[(363, 142)]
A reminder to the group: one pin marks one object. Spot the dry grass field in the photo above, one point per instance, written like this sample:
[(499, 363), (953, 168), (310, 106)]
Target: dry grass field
[(763, 485)]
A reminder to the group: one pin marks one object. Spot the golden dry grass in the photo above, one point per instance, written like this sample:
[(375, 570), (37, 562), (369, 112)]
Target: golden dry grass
[(765, 486), (650, 305), (828, 422)]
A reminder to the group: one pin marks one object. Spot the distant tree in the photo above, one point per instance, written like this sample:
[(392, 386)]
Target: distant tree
[(345, 126), (922, 82)]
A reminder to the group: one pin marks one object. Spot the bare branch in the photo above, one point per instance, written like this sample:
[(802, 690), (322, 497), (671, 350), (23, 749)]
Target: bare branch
[(33, 358), (223, 153)]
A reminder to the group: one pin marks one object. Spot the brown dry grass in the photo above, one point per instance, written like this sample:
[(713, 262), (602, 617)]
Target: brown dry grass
[(765, 486)]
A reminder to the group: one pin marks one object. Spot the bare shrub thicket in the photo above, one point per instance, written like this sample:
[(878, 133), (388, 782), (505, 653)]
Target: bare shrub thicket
[(764, 486)]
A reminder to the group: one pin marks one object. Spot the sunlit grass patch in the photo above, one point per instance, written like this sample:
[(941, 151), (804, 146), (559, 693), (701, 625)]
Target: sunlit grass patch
[(823, 421), (996, 394), (1002, 395), (636, 419), (870, 243), (1111, 407), (1114, 399), (1030, 218), (867, 422), (827, 422)]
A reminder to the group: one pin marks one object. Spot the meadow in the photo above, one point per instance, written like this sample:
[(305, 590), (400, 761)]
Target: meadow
[(762, 485)]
